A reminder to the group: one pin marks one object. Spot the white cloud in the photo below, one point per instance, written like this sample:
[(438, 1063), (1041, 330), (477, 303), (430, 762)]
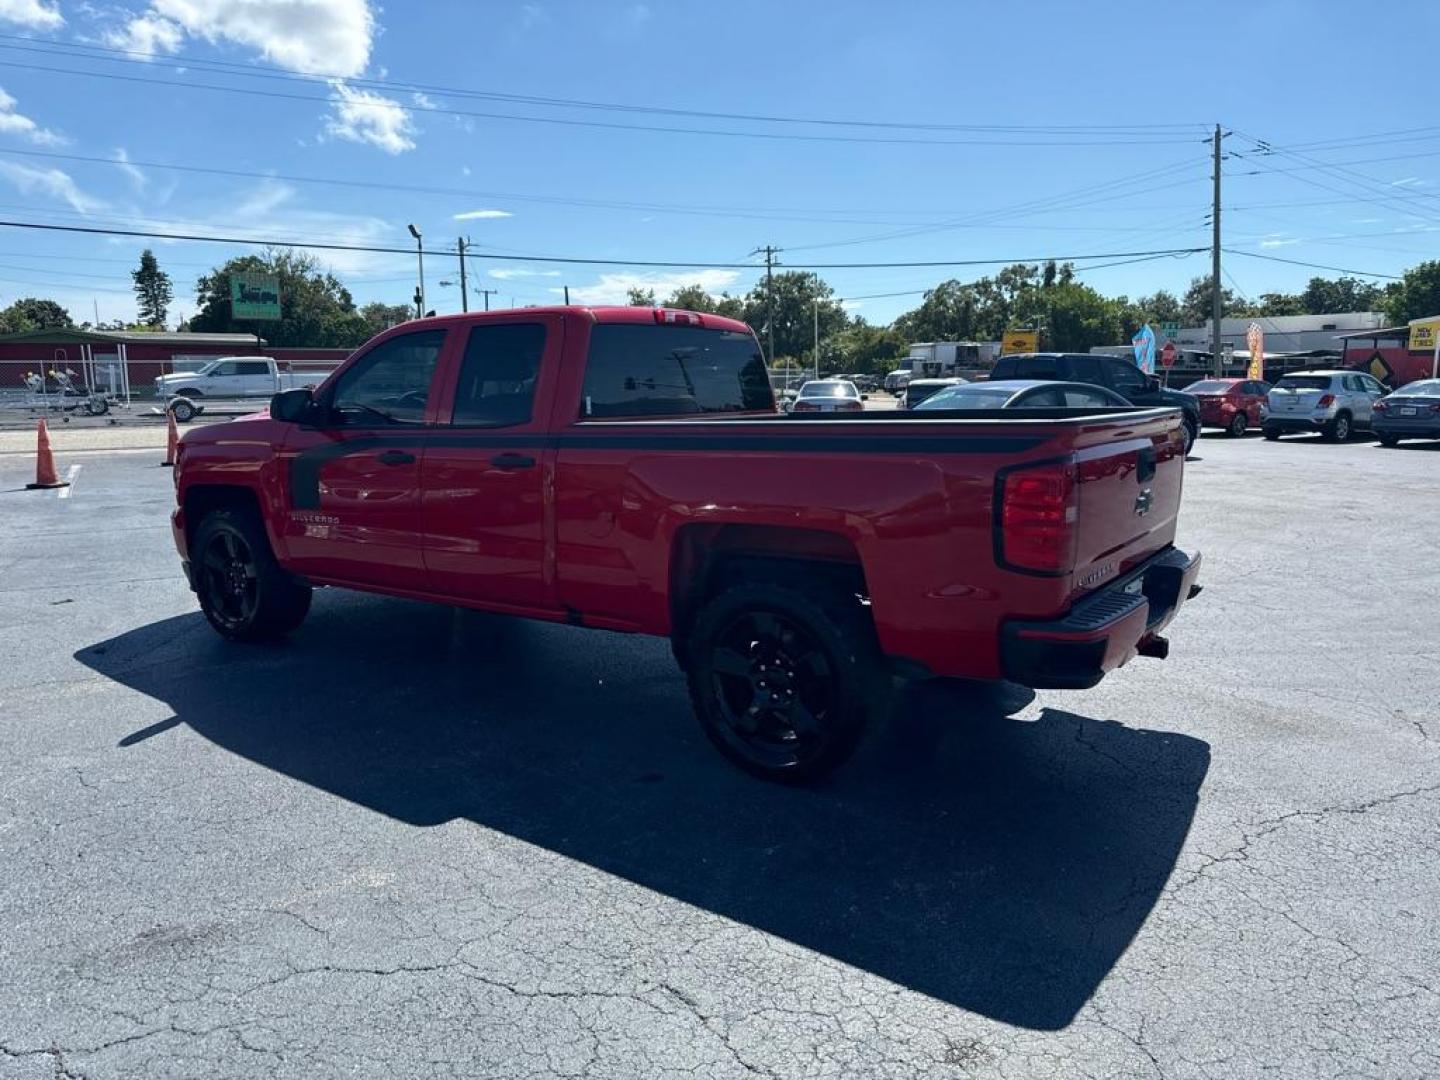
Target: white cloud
[(511, 275), (464, 170), (479, 215), (31, 13), (55, 183), (1275, 240), (1409, 181), (316, 37), (14, 123), (422, 101), (137, 178), (147, 35), (614, 288), (365, 117)]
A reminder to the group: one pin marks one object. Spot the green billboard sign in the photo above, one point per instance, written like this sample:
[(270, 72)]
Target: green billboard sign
[(254, 296)]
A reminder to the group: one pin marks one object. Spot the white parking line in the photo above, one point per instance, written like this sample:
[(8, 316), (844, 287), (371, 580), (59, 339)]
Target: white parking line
[(70, 475)]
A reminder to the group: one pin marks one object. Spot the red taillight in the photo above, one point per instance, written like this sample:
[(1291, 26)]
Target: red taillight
[(671, 317), (1433, 408), (1037, 518), (1326, 400), (851, 406), (804, 406), (1382, 405)]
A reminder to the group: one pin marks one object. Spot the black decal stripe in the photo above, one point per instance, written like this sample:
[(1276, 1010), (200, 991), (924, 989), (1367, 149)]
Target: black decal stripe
[(305, 466)]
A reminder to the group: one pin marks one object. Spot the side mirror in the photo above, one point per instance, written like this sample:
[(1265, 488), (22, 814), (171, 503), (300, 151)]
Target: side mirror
[(292, 406), (1152, 383), (864, 397)]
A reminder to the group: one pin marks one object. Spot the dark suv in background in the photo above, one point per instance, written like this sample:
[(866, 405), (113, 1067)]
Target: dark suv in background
[(1111, 372)]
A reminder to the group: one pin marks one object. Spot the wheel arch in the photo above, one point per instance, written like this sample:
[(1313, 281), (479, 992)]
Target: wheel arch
[(706, 558)]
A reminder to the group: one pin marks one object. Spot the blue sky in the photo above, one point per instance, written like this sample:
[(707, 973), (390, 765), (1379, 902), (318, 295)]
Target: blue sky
[(990, 131)]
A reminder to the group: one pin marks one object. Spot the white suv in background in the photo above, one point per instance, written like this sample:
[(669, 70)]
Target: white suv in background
[(1333, 403)]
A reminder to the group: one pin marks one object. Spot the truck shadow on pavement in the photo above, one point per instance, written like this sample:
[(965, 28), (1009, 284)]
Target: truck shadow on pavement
[(998, 865)]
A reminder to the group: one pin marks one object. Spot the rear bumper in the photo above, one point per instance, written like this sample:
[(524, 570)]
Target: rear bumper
[(1103, 631), (1414, 427), (1298, 423)]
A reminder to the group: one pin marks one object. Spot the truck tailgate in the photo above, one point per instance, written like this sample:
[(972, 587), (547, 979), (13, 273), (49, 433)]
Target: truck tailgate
[(1128, 483)]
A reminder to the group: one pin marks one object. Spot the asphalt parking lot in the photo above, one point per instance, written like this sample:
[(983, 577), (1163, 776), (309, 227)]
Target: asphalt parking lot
[(414, 841)]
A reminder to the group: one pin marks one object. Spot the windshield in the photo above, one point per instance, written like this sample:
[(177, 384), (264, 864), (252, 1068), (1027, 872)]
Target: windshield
[(1423, 388), (967, 397), (1211, 386), (827, 388), (1303, 382)]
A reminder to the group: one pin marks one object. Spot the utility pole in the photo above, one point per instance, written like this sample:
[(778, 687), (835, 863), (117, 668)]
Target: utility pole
[(464, 291), (817, 333), (1215, 307), (487, 293), (770, 253), (420, 289), (567, 295)]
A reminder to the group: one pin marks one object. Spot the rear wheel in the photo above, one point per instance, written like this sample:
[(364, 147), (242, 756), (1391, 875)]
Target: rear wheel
[(1272, 433), (183, 409), (783, 681), (1389, 441), (243, 592), (1239, 424), (1338, 430), (1192, 432)]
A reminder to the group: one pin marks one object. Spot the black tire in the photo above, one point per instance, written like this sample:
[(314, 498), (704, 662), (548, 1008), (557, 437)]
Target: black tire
[(1338, 430), (1192, 433), (1389, 441), (1272, 433), (243, 592), (1239, 424), (784, 681), (97, 406), (183, 409)]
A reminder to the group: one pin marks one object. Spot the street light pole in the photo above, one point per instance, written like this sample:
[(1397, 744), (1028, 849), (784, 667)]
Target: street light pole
[(817, 339), (420, 255), (464, 285)]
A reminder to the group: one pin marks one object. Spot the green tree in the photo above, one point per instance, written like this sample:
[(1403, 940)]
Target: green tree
[(639, 297), (862, 349), (380, 316), (31, 313), (796, 297), (1417, 295), (1327, 296), (949, 312), (695, 298), (315, 308), (1195, 306), (1276, 303), (152, 291)]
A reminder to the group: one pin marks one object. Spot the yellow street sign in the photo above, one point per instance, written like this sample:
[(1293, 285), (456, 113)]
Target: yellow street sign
[(1423, 335), (1020, 341)]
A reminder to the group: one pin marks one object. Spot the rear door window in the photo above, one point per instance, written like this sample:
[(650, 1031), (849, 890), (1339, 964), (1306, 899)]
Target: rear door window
[(1086, 369), (635, 369), (1127, 379), (497, 375), (253, 367), (1005, 367)]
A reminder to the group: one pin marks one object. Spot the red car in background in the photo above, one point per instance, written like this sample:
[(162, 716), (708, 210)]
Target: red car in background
[(1232, 404)]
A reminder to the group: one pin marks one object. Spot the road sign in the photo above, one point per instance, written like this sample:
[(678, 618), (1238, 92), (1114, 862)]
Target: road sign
[(254, 296), (1169, 331), (1168, 353), (1020, 341)]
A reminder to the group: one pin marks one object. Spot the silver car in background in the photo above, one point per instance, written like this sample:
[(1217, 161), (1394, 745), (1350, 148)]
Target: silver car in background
[(1334, 403)]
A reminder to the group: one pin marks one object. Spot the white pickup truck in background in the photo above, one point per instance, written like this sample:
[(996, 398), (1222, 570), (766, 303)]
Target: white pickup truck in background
[(227, 378)]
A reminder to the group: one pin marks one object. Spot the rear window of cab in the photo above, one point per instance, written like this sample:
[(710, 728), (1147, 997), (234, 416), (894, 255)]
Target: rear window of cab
[(634, 369)]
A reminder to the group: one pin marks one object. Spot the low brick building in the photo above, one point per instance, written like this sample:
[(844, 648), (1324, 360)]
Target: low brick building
[(103, 357)]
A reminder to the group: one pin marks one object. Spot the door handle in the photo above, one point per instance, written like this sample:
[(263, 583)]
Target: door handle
[(513, 461), (396, 457), (1145, 466)]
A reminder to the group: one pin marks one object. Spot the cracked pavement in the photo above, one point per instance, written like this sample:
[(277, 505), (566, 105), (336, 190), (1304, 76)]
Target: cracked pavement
[(420, 842)]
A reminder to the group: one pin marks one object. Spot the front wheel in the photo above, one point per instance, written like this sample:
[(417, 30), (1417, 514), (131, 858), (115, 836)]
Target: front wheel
[(783, 681), (1192, 432), (1239, 424), (243, 592), (183, 410), (1272, 434)]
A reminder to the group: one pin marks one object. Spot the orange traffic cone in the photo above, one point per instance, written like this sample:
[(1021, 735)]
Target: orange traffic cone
[(172, 439), (45, 474)]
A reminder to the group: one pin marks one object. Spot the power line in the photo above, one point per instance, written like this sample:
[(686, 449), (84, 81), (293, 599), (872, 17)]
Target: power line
[(414, 109), (1313, 266), (72, 50), (578, 260)]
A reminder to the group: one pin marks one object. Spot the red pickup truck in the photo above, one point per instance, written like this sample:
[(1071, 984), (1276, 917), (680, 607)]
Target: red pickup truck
[(626, 469)]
